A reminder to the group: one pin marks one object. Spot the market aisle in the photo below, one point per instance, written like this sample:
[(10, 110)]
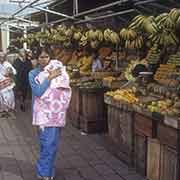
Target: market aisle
[(82, 157)]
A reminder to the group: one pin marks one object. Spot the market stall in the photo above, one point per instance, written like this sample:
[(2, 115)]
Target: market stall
[(135, 97)]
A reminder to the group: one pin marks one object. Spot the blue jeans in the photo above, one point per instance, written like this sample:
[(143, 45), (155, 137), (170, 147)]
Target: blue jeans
[(49, 141)]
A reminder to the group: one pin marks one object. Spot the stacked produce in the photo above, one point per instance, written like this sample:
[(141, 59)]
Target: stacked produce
[(153, 55), (174, 59), (127, 95), (165, 107), (164, 75)]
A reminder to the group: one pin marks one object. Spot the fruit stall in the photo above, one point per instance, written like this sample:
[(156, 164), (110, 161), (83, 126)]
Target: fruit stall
[(135, 98)]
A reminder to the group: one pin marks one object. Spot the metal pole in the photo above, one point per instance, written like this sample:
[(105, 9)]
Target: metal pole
[(53, 12), (75, 7), (105, 16), (22, 19), (23, 8), (18, 27), (144, 2), (101, 7)]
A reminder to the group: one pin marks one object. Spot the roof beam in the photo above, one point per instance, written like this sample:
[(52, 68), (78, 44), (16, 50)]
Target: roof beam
[(25, 7), (105, 16), (144, 2), (52, 12)]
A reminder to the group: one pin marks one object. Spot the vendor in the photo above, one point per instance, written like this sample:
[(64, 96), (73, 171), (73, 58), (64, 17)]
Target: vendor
[(97, 64)]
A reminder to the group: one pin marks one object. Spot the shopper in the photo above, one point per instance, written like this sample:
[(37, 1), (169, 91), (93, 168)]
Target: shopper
[(7, 100), (50, 98), (22, 66)]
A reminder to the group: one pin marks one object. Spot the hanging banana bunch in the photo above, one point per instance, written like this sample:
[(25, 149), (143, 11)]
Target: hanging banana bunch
[(137, 22), (165, 21), (174, 14), (137, 43), (149, 25), (127, 34), (144, 23), (111, 36), (165, 38), (83, 41)]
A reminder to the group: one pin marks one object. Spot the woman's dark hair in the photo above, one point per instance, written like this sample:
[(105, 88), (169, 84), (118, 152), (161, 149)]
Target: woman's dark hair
[(39, 50)]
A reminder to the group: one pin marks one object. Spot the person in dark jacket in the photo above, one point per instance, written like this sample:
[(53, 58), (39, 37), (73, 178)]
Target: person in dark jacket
[(22, 66)]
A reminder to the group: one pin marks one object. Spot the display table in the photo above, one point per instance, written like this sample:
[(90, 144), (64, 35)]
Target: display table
[(120, 129)]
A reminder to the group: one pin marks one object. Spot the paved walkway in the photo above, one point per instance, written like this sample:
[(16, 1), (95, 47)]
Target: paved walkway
[(81, 157)]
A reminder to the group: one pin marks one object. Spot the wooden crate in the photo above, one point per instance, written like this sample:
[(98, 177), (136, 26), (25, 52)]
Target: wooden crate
[(144, 127), (75, 107), (94, 112), (120, 129), (162, 161), (140, 153)]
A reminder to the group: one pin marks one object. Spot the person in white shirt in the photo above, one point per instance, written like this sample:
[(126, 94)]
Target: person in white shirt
[(97, 64)]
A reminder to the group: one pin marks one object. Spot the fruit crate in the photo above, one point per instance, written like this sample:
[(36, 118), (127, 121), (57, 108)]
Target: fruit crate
[(120, 129), (93, 117), (74, 110), (145, 127), (164, 152)]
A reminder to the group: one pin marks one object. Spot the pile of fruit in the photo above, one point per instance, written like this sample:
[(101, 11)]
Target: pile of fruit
[(127, 95), (164, 75), (165, 107), (153, 55)]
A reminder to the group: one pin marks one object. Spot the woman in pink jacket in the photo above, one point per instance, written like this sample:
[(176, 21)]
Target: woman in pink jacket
[(50, 99)]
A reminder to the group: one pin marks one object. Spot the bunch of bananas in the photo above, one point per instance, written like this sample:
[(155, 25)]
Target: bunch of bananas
[(137, 22), (174, 14), (165, 38), (153, 55), (146, 23), (95, 37), (126, 95), (83, 41), (111, 36), (128, 34), (77, 35), (137, 43), (164, 20)]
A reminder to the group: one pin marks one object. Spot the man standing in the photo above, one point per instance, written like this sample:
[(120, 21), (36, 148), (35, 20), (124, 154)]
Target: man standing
[(22, 84)]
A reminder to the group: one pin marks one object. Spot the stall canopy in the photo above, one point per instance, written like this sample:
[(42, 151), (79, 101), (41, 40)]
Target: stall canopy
[(33, 13)]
